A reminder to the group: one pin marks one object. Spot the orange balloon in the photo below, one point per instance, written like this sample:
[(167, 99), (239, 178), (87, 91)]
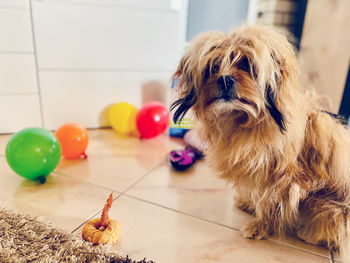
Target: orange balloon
[(74, 140)]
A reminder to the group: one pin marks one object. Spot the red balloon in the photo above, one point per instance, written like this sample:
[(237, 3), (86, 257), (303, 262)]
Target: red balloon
[(152, 119)]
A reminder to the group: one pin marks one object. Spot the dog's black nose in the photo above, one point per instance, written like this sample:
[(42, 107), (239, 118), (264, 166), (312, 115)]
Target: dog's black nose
[(226, 86)]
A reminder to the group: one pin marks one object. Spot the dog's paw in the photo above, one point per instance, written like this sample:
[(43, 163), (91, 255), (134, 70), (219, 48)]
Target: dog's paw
[(256, 230), (244, 205)]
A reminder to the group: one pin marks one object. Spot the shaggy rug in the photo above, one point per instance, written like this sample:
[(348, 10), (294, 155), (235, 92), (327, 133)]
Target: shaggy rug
[(26, 238)]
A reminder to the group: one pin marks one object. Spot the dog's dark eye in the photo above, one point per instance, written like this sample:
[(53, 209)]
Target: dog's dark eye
[(211, 69), (244, 65), (216, 66), (215, 69)]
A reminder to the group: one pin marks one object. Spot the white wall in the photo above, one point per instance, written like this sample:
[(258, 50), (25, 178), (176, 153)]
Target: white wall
[(68, 60)]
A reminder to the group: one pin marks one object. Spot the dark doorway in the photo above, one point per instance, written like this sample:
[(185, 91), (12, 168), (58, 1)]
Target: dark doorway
[(344, 109)]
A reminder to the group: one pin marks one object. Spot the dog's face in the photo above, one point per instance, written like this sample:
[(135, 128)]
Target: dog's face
[(242, 78)]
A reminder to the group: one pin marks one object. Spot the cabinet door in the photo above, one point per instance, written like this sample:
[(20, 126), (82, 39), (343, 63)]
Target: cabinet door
[(92, 54), (19, 97), (84, 97), (83, 36), (154, 4), (15, 30), (18, 112), (17, 74)]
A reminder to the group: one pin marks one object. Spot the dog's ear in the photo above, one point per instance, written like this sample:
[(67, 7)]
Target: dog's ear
[(183, 105), (187, 101), (281, 68), (184, 73), (274, 112)]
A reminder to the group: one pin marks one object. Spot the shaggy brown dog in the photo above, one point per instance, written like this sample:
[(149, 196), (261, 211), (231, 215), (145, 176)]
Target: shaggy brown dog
[(288, 159)]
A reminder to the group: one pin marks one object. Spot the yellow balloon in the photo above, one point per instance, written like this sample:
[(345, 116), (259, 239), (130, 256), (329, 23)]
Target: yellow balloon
[(122, 117)]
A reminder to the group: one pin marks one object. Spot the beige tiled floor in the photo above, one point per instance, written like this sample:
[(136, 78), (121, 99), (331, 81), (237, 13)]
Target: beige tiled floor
[(166, 216)]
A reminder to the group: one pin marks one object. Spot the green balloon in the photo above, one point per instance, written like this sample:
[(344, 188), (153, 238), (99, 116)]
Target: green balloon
[(33, 153)]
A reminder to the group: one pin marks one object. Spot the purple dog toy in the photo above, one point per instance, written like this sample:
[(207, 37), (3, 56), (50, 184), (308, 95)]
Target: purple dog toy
[(183, 159)]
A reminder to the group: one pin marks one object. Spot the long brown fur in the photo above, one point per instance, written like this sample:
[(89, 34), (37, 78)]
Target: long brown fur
[(288, 160)]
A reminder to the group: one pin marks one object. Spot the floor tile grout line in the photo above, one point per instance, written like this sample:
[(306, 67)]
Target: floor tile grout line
[(144, 176), (93, 215), (119, 193), (180, 212), (169, 208), (106, 188), (87, 182), (222, 225), (297, 248), (93, 184)]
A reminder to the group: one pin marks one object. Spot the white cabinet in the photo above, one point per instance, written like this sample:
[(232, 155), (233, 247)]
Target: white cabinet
[(15, 30), (17, 74), (83, 55), (19, 112), (83, 97), (14, 3), (19, 97), (99, 37), (135, 4)]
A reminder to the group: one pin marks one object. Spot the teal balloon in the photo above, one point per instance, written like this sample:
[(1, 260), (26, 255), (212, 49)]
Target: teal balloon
[(33, 153)]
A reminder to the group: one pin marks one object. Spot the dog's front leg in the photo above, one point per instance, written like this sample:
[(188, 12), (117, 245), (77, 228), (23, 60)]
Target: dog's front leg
[(276, 210), (257, 229)]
